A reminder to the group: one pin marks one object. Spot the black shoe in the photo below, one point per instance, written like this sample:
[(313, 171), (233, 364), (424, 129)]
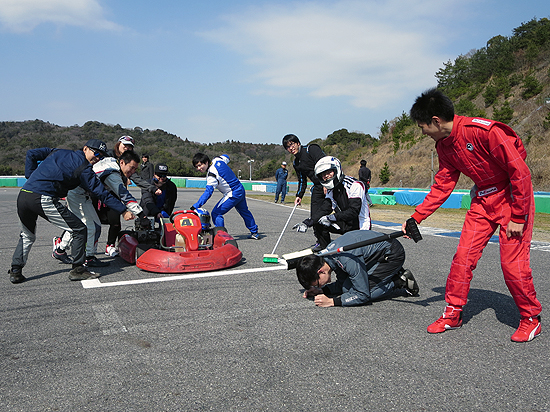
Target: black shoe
[(62, 256), (81, 273), (94, 262), (405, 280), (16, 276), (316, 248)]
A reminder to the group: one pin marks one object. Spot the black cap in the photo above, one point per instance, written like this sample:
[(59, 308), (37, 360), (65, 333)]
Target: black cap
[(97, 145), (161, 169)]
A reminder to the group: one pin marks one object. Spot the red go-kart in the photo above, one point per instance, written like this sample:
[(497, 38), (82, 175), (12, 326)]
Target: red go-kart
[(182, 243)]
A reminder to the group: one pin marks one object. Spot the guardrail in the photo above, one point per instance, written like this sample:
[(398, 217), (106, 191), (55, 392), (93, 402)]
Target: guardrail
[(459, 199)]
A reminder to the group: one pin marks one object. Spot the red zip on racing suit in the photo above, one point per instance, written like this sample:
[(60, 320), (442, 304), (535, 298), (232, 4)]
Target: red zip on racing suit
[(493, 156)]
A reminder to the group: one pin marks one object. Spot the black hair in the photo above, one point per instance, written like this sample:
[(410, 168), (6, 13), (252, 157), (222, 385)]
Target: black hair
[(289, 138), (307, 269), (432, 103), (363, 162), (201, 158), (128, 156)]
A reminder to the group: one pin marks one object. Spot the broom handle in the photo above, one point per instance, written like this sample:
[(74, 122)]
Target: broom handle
[(366, 242), (284, 228)]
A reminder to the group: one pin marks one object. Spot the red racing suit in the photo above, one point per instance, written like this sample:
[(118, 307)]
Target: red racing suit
[(493, 156)]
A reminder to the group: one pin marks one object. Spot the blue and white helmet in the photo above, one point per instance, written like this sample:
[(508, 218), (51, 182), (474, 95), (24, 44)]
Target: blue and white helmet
[(329, 163), (205, 218)]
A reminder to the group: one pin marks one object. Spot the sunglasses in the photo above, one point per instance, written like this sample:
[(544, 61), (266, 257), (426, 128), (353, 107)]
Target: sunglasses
[(98, 154)]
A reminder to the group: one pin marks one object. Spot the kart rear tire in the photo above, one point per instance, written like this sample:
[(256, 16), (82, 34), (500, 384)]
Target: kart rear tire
[(127, 232), (217, 229)]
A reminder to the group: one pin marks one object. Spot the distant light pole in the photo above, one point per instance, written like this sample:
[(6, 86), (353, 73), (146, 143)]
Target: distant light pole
[(250, 161)]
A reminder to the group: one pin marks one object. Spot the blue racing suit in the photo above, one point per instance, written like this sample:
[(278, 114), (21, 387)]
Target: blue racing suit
[(221, 176)]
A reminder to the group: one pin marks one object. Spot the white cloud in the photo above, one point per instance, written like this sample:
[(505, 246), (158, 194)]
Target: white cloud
[(24, 15), (373, 52)]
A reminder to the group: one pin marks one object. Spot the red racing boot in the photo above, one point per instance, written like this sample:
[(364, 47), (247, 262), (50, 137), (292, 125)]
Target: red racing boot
[(451, 319), (529, 329)]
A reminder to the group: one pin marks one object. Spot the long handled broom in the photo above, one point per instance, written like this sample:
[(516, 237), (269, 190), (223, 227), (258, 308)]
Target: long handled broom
[(292, 259), (272, 257)]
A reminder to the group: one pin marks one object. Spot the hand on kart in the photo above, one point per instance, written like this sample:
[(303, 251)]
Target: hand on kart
[(127, 215)]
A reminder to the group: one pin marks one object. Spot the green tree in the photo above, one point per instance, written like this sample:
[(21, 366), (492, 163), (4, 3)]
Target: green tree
[(531, 87), (504, 114), (385, 174)]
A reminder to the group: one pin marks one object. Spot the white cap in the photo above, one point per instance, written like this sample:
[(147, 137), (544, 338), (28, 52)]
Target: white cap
[(284, 163)]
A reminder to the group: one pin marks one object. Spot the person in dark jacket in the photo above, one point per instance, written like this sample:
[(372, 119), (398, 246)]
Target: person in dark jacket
[(362, 274), (305, 158), (365, 176), (147, 168), (125, 143), (58, 172), (162, 204), (280, 176)]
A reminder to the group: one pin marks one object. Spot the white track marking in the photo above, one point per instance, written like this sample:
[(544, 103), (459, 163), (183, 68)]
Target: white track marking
[(95, 283)]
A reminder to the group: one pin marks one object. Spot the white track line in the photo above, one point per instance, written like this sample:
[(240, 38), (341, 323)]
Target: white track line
[(95, 283)]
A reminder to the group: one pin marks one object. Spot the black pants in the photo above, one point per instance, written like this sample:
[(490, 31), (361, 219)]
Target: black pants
[(114, 226), (29, 207), (388, 265)]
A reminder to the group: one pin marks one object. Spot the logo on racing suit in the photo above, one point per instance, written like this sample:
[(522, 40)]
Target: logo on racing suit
[(481, 121), (488, 191), (470, 147)]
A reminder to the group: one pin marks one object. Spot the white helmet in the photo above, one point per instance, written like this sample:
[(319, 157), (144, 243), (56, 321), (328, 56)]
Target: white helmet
[(329, 163)]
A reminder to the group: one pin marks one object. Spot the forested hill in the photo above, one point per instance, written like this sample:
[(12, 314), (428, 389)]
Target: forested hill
[(507, 80)]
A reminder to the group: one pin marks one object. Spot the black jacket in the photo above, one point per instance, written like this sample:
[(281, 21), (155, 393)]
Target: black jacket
[(304, 165), (365, 175), (149, 201)]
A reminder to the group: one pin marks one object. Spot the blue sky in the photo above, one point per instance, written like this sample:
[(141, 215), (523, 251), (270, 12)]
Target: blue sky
[(246, 70)]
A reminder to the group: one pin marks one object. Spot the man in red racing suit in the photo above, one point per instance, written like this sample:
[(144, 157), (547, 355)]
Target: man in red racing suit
[(493, 156)]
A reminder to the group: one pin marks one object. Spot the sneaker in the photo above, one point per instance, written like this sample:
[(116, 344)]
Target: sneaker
[(451, 319), (93, 262), (529, 329), (62, 256), (56, 243), (81, 273), (16, 276), (405, 280), (255, 236), (111, 250)]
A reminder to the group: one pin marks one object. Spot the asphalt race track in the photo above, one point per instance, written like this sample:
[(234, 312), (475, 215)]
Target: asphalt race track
[(244, 339)]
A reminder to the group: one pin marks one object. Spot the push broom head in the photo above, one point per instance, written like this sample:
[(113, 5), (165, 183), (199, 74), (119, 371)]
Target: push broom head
[(271, 258)]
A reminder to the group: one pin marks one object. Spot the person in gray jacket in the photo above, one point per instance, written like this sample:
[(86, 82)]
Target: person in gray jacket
[(362, 275)]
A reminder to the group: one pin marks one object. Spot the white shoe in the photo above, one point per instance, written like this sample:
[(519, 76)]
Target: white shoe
[(110, 250)]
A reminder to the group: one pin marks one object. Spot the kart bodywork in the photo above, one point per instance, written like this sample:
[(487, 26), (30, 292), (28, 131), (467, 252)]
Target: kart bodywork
[(180, 244)]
